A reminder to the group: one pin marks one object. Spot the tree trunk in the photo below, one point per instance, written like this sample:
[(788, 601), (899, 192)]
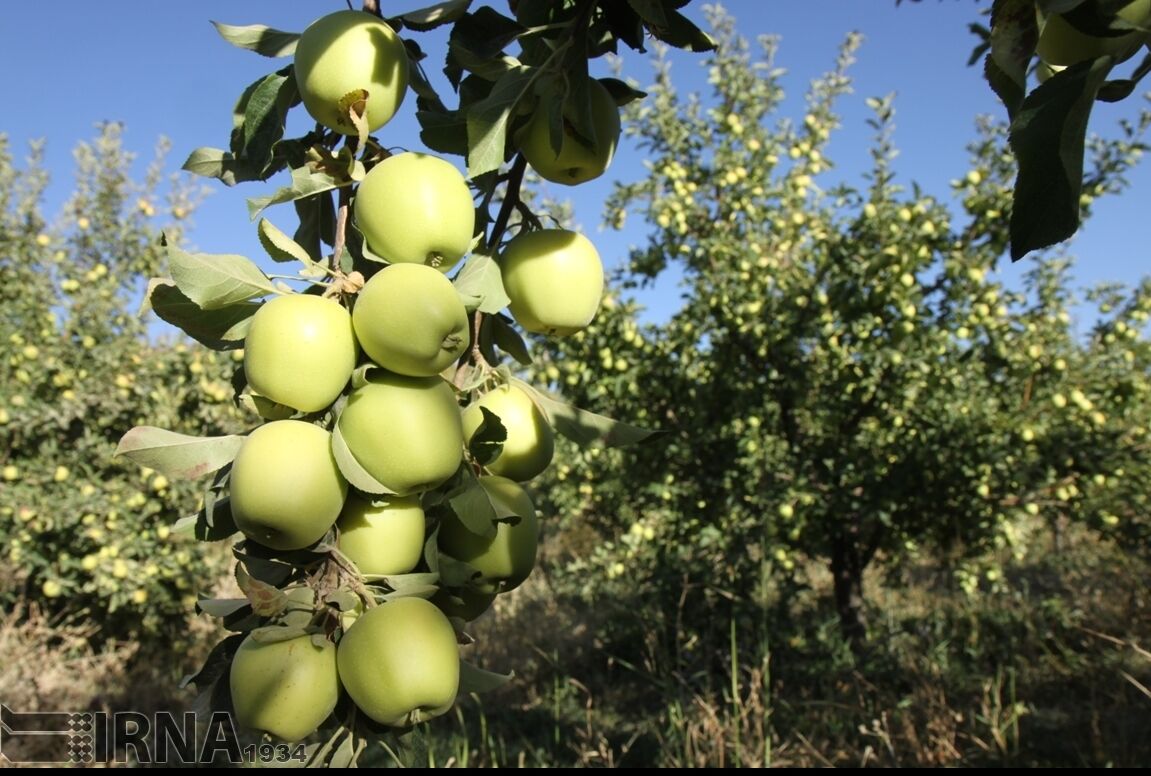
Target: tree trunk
[(847, 573)]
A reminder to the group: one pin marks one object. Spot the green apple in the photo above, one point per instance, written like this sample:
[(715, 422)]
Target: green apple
[(286, 688), (286, 489), (387, 538), (554, 278), (506, 559), (300, 351), (417, 209), (400, 663), (530, 443), (1062, 44), (404, 431), (410, 320), (347, 52), (577, 160)]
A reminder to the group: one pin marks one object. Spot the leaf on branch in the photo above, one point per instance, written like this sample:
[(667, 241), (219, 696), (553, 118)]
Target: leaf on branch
[(482, 280), (470, 503), (264, 116), (682, 33), (621, 92), (260, 38), (281, 247), (585, 428), (211, 524), (487, 442), (221, 607), (305, 183), (473, 679), (488, 121), (216, 664), (178, 456), (214, 281), (436, 15), (1048, 137), (508, 339), (221, 165), (266, 599), (223, 328), (1013, 37)]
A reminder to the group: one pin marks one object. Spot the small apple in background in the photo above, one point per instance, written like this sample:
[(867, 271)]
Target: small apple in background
[(410, 320), (506, 559), (554, 278), (286, 489), (416, 208), (285, 688), (578, 160), (530, 442), (300, 351), (387, 538), (342, 53), (404, 431), (400, 663)]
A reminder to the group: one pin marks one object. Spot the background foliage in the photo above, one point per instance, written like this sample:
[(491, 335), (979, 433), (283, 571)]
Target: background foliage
[(900, 516)]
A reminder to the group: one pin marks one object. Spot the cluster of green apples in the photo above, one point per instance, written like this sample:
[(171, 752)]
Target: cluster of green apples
[(401, 422), (1063, 42)]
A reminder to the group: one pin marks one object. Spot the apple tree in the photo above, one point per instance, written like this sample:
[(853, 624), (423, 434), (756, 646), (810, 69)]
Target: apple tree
[(845, 380), (82, 532), (378, 494)]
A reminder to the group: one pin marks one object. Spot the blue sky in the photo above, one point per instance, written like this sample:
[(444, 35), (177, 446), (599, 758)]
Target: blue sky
[(161, 69)]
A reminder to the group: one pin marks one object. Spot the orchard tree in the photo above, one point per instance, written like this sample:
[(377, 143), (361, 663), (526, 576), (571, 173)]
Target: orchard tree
[(846, 379), (378, 493), (82, 532)]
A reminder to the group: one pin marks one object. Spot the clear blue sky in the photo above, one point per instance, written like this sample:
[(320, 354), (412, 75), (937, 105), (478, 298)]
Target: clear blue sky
[(161, 69)]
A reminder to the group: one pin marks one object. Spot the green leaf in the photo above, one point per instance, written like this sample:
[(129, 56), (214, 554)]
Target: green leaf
[(509, 340), (481, 279), (280, 246), (474, 679), (487, 441), (586, 428), (220, 329), (1013, 38), (178, 456), (221, 607), (259, 38), (353, 472), (317, 227), (435, 15), (264, 116), (682, 33), (445, 132), (221, 165), (305, 183), (210, 524), (621, 92), (488, 121), (470, 503), (271, 634), (1048, 137), (214, 281), (650, 11), (266, 599), (216, 664)]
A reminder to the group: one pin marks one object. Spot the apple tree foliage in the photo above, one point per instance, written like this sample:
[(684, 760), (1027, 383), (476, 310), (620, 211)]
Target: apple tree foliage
[(846, 379), (80, 531)]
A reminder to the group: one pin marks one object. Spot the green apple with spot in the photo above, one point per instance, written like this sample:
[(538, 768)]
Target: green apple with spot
[(356, 54), (284, 688)]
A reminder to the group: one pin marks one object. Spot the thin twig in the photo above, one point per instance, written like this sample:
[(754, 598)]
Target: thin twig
[(511, 201)]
